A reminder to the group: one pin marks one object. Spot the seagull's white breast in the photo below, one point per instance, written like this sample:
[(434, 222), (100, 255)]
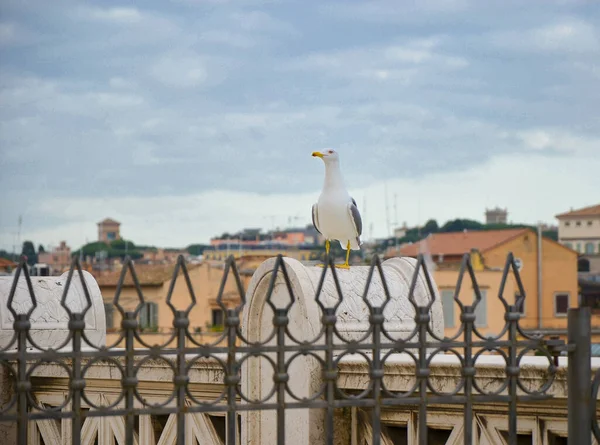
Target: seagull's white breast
[(334, 220)]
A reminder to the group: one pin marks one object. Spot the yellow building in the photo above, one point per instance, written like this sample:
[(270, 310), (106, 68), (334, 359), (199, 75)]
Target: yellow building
[(155, 317), (548, 271), (487, 322)]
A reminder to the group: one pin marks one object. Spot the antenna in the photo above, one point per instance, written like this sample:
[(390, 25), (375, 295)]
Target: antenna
[(395, 209), (19, 230), (387, 213)]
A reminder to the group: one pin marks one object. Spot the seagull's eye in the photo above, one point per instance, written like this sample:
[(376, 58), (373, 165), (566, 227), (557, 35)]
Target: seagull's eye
[(330, 152)]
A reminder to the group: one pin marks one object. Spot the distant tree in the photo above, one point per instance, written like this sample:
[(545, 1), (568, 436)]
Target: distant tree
[(28, 250), (122, 244), (116, 249), (551, 234), (196, 249), (430, 226), (458, 225), (41, 249)]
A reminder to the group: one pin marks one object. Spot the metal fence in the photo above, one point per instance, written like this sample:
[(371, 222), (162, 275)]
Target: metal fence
[(513, 343)]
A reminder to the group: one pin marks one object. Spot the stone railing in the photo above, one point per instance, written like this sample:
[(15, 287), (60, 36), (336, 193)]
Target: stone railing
[(544, 421), (309, 356)]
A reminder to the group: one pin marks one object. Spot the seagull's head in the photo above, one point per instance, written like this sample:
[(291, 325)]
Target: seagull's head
[(327, 155)]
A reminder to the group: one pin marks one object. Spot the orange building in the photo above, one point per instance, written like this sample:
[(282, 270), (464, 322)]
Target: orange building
[(548, 272), (7, 266), (59, 259), (155, 317), (109, 230)]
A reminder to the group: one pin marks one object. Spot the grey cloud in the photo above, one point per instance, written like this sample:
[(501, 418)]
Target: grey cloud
[(182, 97)]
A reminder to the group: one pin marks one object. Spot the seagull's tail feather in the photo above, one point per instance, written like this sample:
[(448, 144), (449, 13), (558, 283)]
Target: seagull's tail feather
[(354, 244)]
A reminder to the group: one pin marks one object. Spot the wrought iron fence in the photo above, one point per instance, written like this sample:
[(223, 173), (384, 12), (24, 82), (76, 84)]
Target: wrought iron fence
[(23, 355)]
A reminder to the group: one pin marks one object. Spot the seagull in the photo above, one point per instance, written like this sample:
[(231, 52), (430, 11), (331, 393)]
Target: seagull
[(335, 215)]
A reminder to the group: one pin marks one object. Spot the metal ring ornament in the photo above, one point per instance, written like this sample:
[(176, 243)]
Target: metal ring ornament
[(384, 388), (121, 394), (53, 348), (364, 393), (273, 390), (11, 373), (240, 336), (30, 397), (189, 336), (496, 337), (187, 372), (413, 334), (506, 381), (323, 384), (461, 382), (551, 372), (349, 342), (138, 337), (13, 341), (138, 396)]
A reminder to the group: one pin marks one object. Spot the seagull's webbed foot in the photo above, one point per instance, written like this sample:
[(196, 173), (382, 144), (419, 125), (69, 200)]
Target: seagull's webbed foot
[(342, 266)]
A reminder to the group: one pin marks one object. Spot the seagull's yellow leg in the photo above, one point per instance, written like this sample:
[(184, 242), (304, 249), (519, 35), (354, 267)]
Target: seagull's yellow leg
[(346, 265)]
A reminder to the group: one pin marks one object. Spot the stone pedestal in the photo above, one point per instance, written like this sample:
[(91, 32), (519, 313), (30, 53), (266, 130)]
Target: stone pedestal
[(49, 320), (49, 323), (303, 426)]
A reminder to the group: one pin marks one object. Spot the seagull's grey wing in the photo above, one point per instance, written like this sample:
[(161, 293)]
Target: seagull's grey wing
[(315, 217), (355, 214)]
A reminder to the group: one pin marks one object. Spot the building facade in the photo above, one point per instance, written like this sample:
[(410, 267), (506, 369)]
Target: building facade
[(58, 260), (548, 271), (496, 216), (109, 230), (580, 230)]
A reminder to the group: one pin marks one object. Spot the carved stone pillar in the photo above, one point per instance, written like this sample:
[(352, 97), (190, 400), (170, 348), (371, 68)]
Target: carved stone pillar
[(305, 426)]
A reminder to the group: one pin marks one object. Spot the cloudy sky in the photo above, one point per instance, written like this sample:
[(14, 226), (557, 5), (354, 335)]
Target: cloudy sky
[(186, 118)]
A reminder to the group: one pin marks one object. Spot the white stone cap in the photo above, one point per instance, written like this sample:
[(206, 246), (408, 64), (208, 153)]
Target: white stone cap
[(353, 313), (49, 320)]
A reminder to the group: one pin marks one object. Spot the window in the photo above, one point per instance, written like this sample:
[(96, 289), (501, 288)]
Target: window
[(589, 248), (217, 317), (578, 223), (109, 310), (583, 265), (591, 301), (578, 248), (148, 317), (589, 223), (481, 310), (567, 223), (561, 304), (111, 236), (448, 307), (569, 245)]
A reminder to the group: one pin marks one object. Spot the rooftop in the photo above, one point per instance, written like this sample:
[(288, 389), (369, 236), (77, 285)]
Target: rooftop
[(585, 211), (7, 263), (147, 275), (108, 221), (459, 243)]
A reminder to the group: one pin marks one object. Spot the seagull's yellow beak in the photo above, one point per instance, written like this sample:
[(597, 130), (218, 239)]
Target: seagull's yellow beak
[(317, 154)]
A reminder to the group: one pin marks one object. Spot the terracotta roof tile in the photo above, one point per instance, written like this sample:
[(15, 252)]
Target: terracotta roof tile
[(108, 221), (586, 211), (7, 263), (147, 275), (459, 243)]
